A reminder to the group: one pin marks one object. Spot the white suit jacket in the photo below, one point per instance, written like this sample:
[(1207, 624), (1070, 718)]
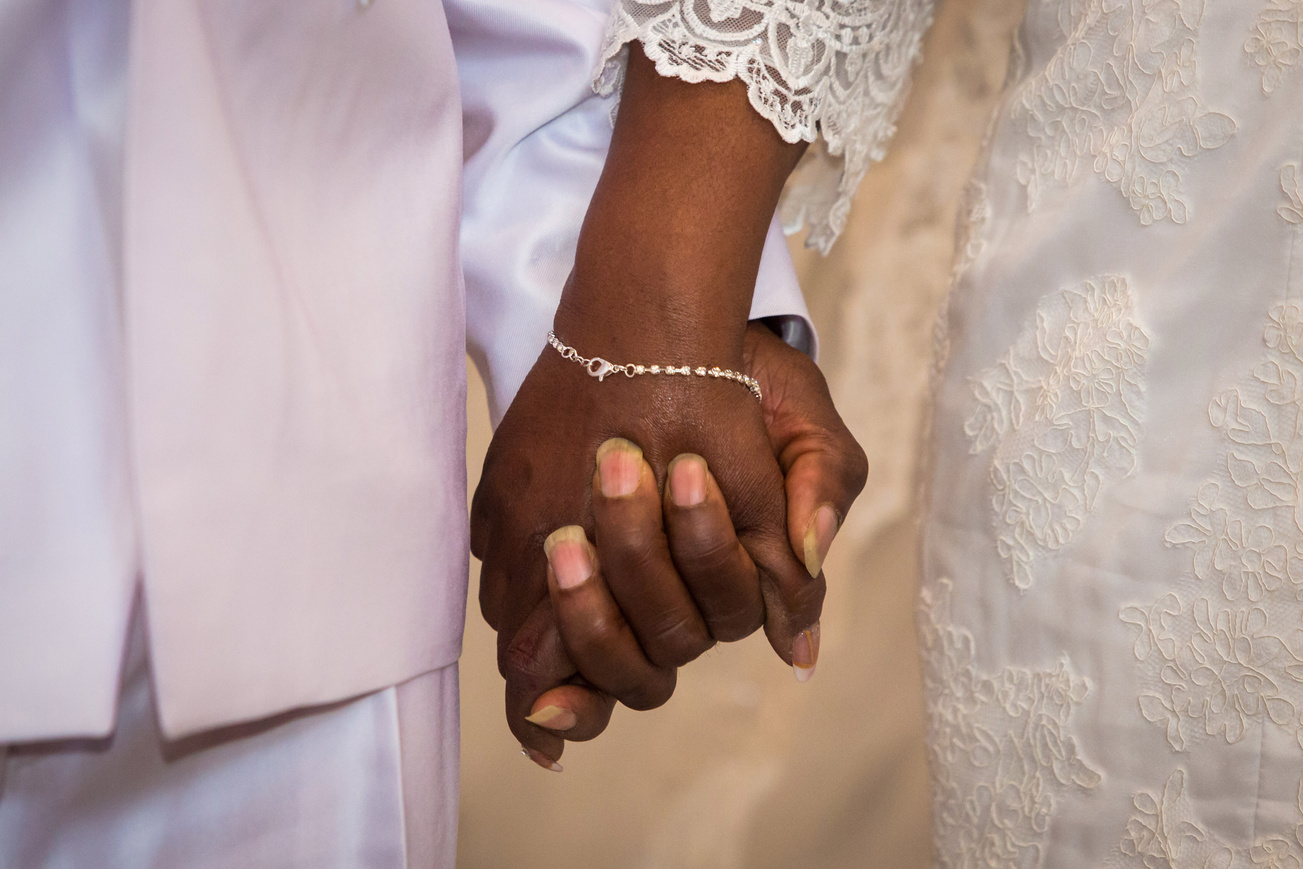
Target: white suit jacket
[(232, 343)]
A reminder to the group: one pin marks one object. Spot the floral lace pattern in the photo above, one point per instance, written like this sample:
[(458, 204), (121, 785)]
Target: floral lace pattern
[(1121, 97), (1291, 184), (1222, 669), (1063, 410), (1276, 42), (1227, 659), (1165, 833), (836, 69), (999, 749), (1234, 655)]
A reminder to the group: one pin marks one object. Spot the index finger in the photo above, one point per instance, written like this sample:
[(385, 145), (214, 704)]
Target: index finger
[(596, 635), (546, 702)]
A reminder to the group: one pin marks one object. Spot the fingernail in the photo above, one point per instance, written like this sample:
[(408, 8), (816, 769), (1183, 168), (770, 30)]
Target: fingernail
[(541, 759), (805, 653), (619, 467), (687, 480), (568, 552), (818, 537), (554, 718)]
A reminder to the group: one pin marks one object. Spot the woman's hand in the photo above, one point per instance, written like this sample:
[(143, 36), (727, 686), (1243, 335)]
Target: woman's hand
[(540, 474), (674, 562), (665, 266)]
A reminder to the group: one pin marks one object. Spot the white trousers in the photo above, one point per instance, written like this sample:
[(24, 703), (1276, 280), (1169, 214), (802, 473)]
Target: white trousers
[(370, 782)]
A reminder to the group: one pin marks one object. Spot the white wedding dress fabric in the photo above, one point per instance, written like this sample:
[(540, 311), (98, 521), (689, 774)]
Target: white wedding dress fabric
[(832, 72), (1110, 612), (1111, 607)]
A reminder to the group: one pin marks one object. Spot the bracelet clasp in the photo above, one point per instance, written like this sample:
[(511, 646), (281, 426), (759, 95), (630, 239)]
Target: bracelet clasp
[(599, 368)]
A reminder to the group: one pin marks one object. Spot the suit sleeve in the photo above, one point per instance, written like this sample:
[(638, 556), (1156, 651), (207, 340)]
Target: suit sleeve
[(535, 139)]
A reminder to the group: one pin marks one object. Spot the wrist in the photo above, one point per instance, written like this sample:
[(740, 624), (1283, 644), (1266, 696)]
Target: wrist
[(669, 318)]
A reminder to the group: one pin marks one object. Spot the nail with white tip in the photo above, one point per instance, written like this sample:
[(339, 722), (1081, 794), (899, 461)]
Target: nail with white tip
[(541, 759), (805, 653)]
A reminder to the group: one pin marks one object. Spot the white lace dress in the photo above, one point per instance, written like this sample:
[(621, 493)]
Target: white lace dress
[(1112, 602), (1113, 556)]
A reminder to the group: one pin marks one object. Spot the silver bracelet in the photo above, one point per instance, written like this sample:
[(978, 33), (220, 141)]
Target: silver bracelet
[(599, 367)]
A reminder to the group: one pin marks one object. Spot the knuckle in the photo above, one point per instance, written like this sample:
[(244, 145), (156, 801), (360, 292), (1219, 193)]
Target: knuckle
[(636, 551), (490, 607), (519, 532), (676, 641), (649, 694), (856, 467), (708, 554), (841, 459), (738, 623), (521, 661), (594, 636), (629, 567), (806, 597)]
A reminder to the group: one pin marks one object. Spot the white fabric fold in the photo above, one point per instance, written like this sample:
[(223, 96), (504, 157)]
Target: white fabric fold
[(232, 349), (536, 140)]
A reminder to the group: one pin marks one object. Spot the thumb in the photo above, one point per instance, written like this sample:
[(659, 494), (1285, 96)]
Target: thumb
[(820, 486), (824, 469)]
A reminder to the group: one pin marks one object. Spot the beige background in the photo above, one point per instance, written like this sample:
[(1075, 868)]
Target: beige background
[(744, 767)]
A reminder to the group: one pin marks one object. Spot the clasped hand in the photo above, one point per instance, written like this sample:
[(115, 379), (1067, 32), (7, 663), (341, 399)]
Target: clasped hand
[(627, 527)]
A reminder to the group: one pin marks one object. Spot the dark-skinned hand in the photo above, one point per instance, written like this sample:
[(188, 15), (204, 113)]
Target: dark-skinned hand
[(665, 267), (669, 539)]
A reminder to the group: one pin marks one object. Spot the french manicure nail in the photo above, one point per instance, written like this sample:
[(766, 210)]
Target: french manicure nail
[(687, 480), (554, 718), (619, 467), (569, 555), (541, 759), (818, 537), (805, 653)]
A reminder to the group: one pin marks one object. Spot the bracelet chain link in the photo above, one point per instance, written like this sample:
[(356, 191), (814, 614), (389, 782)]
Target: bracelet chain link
[(600, 368)]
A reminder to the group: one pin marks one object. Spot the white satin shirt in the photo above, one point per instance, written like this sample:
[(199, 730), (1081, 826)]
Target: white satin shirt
[(233, 329)]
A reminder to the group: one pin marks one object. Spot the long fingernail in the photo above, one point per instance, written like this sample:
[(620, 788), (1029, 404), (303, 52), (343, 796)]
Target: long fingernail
[(554, 718), (687, 480), (818, 537), (541, 759), (619, 467), (568, 552), (805, 653)]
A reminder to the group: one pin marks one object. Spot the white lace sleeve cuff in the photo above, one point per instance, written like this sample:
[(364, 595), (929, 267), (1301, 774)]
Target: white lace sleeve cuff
[(830, 70)]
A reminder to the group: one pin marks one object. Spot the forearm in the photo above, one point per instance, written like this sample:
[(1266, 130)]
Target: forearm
[(671, 244)]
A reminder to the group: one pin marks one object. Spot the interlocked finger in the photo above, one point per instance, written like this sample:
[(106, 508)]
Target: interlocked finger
[(546, 699), (574, 711), (712, 563), (596, 635), (636, 561)]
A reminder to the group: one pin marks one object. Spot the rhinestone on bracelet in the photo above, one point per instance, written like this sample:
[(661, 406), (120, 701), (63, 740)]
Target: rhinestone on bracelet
[(600, 368)]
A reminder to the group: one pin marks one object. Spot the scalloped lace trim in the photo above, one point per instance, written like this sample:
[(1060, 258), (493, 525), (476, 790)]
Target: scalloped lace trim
[(835, 70)]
